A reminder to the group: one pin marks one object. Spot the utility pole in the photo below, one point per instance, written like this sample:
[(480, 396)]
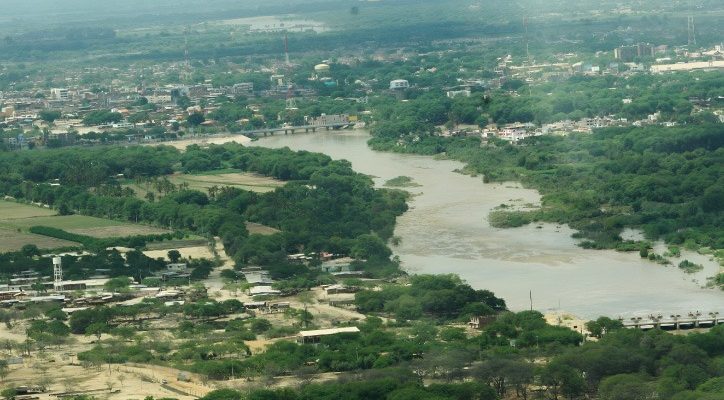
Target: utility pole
[(530, 295)]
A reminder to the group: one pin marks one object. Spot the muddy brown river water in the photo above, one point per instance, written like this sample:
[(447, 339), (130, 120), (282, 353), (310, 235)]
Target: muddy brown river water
[(446, 231)]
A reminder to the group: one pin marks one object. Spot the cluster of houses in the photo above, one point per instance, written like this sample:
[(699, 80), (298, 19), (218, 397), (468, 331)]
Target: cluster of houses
[(517, 131)]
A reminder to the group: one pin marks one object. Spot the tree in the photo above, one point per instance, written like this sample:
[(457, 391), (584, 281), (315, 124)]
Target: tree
[(626, 387), (223, 394), (97, 329), (260, 325), (562, 379), (39, 287), (174, 255), (9, 393), (4, 369), (118, 284), (305, 317), (30, 250), (49, 116), (602, 326), (195, 119)]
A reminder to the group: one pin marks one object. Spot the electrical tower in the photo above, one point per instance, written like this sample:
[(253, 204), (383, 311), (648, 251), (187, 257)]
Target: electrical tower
[(57, 273), (691, 31)]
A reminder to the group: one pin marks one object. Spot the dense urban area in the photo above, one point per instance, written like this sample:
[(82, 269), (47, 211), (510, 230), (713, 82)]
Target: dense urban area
[(164, 234)]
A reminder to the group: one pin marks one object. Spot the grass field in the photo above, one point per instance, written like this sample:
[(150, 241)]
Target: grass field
[(12, 240), (17, 218), (12, 210), (83, 225), (241, 180)]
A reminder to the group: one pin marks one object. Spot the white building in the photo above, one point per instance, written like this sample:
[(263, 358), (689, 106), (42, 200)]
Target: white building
[(458, 93), (399, 84), (60, 94)]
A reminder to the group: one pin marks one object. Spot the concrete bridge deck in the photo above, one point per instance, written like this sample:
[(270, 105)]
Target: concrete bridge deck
[(293, 129), (674, 321)]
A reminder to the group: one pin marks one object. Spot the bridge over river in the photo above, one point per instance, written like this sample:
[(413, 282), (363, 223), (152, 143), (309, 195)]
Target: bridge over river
[(293, 129), (674, 321)]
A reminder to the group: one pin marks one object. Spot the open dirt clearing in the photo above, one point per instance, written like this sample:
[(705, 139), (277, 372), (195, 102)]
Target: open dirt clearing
[(241, 180), (119, 231), (195, 252), (260, 229)]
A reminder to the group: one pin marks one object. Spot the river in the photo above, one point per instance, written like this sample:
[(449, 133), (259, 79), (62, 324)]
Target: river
[(446, 231)]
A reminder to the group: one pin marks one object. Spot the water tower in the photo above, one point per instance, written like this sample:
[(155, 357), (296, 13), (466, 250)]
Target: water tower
[(57, 273)]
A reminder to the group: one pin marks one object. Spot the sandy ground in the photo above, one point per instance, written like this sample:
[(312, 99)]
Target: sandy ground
[(194, 252), (204, 141), (59, 369), (562, 318), (116, 382)]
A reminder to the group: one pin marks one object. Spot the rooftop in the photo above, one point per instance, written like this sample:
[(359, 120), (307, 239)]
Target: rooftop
[(332, 331)]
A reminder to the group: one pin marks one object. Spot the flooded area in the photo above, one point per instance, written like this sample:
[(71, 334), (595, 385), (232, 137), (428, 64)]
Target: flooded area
[(276, 23), (446, 231)]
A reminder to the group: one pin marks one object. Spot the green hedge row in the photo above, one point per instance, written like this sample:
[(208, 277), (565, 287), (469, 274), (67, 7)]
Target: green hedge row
[(102, 243)]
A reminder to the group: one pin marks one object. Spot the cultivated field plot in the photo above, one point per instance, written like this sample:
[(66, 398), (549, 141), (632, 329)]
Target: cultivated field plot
[(12, 210), (12, 240), (90, 226), (241, 180)]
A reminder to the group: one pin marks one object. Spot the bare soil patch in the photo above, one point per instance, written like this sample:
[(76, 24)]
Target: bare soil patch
[(260, 229), (186, 252), (241, 180), (119, 231)]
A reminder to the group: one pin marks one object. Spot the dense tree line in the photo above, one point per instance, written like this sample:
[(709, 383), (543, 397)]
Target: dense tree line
[(326, 205), (443, 297), (109, 262)]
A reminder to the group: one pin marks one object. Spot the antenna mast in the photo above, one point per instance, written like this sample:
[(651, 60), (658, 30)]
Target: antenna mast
[(527, 49), (690, 28), (286, 50), (187, 63), (291, 103)]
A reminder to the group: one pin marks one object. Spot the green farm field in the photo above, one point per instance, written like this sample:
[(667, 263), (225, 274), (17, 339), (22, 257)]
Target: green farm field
[(17, 218)]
